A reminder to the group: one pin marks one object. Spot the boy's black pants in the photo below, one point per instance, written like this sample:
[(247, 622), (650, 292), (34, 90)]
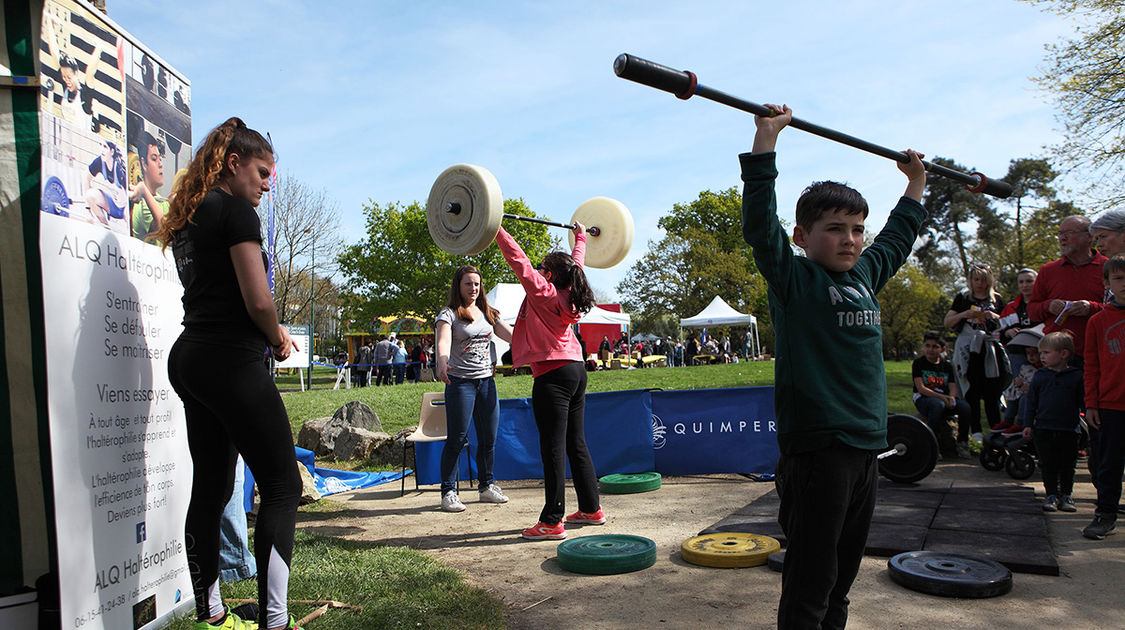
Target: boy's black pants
[(1058, 452), (827, 499), (1109, 447)]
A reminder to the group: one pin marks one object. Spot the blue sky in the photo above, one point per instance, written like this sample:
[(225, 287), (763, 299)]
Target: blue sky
[(372, 100)]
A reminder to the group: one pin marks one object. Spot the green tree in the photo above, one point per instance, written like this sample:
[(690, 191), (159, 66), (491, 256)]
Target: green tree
[(1030, 178), (910, 304), (1084, 74), (397, 269), (306, 228), (701, 255), (947, 232)]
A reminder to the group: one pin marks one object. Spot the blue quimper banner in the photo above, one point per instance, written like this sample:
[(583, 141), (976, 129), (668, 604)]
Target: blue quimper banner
[(673, 433), (704, 431)]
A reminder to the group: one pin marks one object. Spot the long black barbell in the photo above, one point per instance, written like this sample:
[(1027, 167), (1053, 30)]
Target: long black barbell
[(684, 85), (455, 208)]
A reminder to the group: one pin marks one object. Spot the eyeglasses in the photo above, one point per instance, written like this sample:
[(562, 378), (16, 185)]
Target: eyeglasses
[(540, 267), (1065, 233)]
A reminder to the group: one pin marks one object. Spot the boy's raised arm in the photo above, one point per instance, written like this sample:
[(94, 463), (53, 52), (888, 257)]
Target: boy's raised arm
[(915, 172), (765, 139)]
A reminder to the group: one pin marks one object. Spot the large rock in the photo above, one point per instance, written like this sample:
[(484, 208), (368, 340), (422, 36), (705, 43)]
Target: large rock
[(388, 452), (320, 434), (357, 414), (315, 436), (309, 493), (357, 443)]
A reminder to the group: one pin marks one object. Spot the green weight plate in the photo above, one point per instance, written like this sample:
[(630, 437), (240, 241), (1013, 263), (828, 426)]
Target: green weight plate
[(607, 554), (628, 484)]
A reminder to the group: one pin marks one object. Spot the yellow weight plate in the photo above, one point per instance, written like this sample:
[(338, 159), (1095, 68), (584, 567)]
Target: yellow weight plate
[(615, 236), (727, 550)]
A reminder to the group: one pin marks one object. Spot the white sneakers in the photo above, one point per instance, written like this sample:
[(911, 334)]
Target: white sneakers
[(450, 502), (492, 494)]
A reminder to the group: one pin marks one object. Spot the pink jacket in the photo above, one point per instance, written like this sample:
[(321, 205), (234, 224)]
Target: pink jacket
[(543, 327)]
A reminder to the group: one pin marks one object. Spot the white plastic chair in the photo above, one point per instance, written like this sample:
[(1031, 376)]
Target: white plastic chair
[(431, 428)]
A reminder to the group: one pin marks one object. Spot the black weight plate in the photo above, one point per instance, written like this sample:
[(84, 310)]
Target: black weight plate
[(917, 446), (776, 561), (1020, 465), (950, 574)]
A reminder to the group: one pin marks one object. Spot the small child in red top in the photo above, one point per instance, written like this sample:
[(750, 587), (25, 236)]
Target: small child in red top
[(1105, 398), (557, 296)]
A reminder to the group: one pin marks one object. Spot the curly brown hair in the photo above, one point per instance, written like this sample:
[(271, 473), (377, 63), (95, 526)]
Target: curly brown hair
[(205, 171)]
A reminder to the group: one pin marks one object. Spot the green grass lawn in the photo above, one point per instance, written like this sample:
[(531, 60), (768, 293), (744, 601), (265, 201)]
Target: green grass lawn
[(398, 406), (403, 588), (397, 588)]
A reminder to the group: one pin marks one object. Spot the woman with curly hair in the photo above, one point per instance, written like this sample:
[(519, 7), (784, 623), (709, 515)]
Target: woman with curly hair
[(232, 405)]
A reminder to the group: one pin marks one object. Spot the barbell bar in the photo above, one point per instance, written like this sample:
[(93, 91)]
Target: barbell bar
[(465, 206), (684, 84)]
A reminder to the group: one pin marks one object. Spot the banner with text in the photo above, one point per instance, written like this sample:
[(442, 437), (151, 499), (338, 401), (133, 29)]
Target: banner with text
[(701, 431), (114, 126)]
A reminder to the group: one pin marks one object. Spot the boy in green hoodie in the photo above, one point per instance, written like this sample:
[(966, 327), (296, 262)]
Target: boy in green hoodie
[(830, 394)]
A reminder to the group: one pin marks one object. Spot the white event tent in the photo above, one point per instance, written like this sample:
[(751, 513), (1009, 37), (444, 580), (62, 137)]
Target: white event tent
[(507, 297), (719, 313)]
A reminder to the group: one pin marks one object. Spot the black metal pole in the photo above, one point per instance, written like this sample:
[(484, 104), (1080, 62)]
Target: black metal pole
[(593, 230), (684, 85)]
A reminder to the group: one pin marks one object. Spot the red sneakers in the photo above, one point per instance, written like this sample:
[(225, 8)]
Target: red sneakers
[(1015, 429), (587, 518), (1000, 426), (543, 531)]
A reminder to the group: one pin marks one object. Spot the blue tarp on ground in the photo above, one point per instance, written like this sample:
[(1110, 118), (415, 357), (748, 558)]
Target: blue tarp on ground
[(328, 481)]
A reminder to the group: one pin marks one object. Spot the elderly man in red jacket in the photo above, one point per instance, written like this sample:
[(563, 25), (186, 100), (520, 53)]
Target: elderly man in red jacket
[(1069, 290)]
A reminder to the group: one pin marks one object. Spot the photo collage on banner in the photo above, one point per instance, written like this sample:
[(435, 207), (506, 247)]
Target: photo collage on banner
[(116, 124), (115, 129)]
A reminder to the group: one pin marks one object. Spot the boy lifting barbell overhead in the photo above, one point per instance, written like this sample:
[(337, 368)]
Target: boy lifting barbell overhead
[(830, 389)]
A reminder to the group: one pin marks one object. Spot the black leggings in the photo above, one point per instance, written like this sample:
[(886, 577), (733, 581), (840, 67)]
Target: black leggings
[(232, 406), (981, 389), (558, 399)]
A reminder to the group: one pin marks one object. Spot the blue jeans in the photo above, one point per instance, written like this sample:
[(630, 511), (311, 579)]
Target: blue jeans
[(468, 399), (235, 560), (934, 411)]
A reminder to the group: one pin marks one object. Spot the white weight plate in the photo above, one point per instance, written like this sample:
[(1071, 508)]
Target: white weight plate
[(615, 239), (477, 193)]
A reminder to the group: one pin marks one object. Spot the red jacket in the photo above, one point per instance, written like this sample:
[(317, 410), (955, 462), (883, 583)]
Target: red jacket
[(1104, 364), (1062, 280), (543, 327)]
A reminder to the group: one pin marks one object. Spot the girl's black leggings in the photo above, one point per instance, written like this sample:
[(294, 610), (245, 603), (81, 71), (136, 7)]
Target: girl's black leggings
[(558, 399), (232, 406)]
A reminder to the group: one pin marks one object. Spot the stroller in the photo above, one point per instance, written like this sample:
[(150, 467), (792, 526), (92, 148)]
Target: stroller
[(1013, 453), (1016, 454)]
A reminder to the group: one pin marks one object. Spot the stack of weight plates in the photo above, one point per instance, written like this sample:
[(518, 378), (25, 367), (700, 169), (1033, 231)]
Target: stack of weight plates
[(628, 484)]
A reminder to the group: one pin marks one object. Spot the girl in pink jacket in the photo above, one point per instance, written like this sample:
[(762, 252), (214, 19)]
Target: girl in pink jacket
[(557, 296)]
